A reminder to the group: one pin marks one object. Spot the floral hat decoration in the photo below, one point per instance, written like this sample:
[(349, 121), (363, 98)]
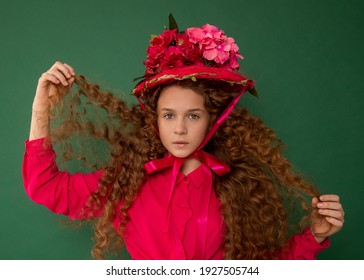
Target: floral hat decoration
[(196, 53)]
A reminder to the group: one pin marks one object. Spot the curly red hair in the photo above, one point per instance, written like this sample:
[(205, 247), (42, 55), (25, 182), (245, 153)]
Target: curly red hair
[(257, 197)]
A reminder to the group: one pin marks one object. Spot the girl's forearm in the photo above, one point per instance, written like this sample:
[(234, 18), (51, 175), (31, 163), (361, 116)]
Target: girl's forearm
[(39, 126)]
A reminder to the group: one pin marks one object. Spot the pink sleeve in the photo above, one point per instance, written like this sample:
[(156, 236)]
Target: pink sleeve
[(303, 246), (59, 191)]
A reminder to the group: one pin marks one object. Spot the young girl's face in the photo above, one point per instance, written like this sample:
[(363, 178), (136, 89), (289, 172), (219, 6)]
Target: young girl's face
[(182, 120)]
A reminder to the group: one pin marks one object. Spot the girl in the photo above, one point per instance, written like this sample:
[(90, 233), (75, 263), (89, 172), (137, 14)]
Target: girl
[(191, 176)]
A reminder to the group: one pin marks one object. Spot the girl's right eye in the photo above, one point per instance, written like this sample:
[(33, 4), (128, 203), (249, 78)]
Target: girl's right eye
[(168, 116)]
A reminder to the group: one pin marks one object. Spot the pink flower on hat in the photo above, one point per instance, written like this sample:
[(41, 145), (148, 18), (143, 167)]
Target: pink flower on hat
[(215, 46)]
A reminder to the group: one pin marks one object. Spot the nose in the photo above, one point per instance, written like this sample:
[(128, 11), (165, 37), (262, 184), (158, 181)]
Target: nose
[(180, 128)]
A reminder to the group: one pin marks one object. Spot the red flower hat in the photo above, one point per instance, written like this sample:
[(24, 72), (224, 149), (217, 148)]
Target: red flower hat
[(197, 53)]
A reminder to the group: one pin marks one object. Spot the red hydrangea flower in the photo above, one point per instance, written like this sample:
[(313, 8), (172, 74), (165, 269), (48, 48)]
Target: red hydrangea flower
[(207, 45)]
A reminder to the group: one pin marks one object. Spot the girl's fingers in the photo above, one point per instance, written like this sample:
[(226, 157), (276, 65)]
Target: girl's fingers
[(335, 222), (59, 76), (314, 202), (49, 77), (70, 69), (332, 213), (62, 71), (329, 205), (66, 69), (330, 197), (329, 201)]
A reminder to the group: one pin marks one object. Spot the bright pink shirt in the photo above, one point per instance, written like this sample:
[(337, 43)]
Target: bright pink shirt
[(189, 226)]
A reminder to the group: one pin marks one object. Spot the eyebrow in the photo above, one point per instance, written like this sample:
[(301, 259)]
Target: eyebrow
[(190, 110)]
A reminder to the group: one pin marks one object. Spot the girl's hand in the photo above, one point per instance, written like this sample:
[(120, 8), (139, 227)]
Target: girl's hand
[(55, 82), (329, 218)]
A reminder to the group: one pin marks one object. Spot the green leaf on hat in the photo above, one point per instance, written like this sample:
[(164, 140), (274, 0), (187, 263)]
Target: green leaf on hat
[(172, 23), (254, 92)]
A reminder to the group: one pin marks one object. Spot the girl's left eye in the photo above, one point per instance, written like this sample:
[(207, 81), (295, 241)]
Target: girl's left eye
[(193, 116)]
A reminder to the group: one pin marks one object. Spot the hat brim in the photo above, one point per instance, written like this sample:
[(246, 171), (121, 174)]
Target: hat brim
[(237, 81)]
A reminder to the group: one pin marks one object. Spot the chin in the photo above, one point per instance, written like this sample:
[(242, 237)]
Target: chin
[(180, 154)]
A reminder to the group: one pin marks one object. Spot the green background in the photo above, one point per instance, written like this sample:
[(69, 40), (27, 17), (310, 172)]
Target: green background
[(306, 58)]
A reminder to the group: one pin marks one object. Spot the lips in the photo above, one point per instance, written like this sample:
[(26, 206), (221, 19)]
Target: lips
[(180, 144)]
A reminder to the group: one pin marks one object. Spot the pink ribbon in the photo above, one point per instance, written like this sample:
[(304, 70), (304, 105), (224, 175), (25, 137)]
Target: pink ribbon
[(216, 165)]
